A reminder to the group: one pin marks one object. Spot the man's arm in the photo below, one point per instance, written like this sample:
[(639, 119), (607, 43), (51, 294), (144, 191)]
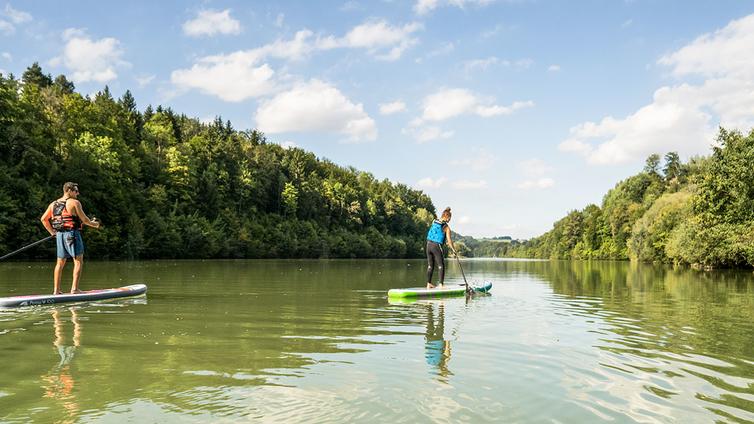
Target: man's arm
[(45, 219), (82, 216)]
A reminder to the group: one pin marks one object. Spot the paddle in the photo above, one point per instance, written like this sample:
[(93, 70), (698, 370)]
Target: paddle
[(26, 247), (468, 289)]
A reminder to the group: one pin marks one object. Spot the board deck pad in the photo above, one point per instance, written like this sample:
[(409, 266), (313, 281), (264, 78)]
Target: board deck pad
[(448, 290), (51, 299)]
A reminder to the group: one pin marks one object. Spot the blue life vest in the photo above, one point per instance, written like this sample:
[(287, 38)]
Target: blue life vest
[(436, 233)]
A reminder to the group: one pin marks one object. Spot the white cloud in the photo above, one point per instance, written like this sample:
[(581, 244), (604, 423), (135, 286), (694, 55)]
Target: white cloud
[(535, 170), (449, 103), (288, 145), (538, 183), (469, 185), (464, 220), (144, 80), (350, 6), (7, 56), (241, 75), (392, 107), (524, 63), (432, 183), (553, 68), (534, 167), (211, 22), (682, 117), (446, 48), (6, 27), (481, 160), (3, 71), (430, 133), (384, 41), (315, 106), (422, 7), (16, 16), (425, 6), (280, 20), (724, 53), (88, 59), (499, 28), (482, 64), (429, 182), (244, 74), (627, 23), (233, 77)]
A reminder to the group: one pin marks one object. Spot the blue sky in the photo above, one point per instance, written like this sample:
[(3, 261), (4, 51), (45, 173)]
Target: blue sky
[(511, 112)]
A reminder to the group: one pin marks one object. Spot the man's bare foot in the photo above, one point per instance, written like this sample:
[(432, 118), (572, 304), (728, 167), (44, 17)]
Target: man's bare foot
[(430, 286), (76, 291)]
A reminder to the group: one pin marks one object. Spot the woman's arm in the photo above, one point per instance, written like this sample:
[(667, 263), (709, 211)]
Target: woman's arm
[(450, 242)]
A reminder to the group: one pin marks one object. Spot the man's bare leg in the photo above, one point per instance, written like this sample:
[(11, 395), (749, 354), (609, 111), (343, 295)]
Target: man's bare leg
[(78, 263), (59, 265)]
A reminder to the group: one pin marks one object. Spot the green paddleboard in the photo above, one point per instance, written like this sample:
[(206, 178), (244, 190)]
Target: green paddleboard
[(447, 290)]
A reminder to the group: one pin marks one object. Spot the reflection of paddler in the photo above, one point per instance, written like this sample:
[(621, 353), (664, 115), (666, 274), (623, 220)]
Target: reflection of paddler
[(59, 383), (437, 349)]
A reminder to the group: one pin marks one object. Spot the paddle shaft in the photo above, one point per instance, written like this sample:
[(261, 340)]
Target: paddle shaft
[(462, 273), (26, 247)]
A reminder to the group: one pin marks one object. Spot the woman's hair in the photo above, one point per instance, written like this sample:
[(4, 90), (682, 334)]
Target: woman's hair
[(446, 214)]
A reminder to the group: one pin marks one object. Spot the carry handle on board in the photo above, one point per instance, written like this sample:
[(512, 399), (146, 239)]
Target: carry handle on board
[(27, 247)]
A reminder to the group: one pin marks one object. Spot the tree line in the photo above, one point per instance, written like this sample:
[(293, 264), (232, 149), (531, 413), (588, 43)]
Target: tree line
[(166, 185), (699, 213)]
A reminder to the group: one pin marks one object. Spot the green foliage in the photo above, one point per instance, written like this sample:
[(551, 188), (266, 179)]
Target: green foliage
[(650, 233), (168, 186), (699, 213)]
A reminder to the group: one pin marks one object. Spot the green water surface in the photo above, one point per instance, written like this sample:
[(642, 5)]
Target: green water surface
[(318, 341)]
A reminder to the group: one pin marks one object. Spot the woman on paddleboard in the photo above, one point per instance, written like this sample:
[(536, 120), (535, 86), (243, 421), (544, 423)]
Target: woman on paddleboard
[(437, 235)]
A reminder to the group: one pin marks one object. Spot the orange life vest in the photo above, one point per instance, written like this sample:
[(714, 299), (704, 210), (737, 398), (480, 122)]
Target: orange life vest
[(62, 220)]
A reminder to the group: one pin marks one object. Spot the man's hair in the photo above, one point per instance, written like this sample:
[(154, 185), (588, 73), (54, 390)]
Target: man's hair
[(70, 186)]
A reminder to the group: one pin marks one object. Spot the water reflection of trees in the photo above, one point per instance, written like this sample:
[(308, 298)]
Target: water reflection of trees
[(683, 323)]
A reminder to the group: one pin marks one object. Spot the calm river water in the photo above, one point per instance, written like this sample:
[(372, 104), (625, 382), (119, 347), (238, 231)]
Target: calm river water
[(318, 341)]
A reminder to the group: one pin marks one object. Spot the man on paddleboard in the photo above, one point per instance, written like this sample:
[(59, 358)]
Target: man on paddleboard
[(438, 233), (64, 218)]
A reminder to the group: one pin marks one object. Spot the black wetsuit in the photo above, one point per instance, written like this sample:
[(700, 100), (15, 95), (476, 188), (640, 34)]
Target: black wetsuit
[(435, 257)]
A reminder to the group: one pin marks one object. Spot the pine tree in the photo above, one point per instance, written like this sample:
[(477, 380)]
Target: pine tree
[(65, 86), (34, 75)]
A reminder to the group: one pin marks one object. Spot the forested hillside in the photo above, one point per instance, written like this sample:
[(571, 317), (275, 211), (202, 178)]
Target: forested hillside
[(699, 213), (168, 186)]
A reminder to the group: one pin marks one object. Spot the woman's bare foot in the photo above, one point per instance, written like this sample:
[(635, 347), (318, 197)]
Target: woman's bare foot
[(57, 293), (76, 291), (430, 286)]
